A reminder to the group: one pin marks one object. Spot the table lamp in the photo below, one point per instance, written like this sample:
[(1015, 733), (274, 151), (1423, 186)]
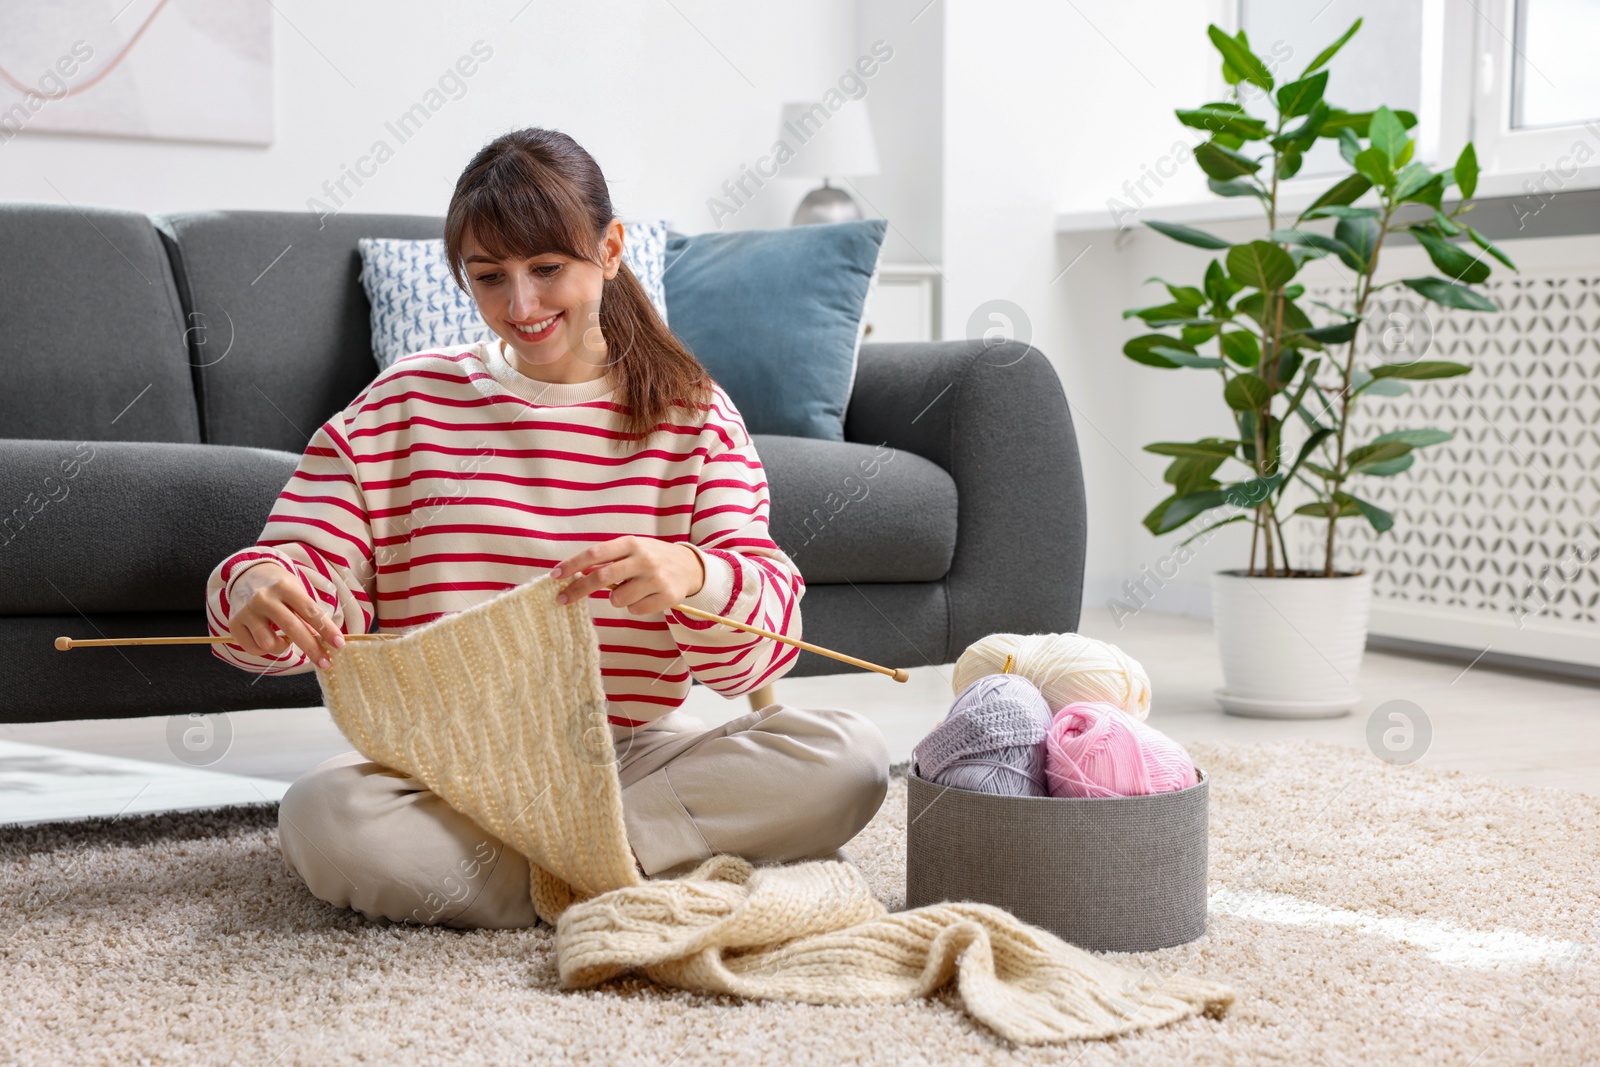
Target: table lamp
[(827, 144)]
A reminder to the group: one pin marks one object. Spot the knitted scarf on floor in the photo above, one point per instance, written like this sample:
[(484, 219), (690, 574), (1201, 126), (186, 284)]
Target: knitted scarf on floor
[(499, 709)]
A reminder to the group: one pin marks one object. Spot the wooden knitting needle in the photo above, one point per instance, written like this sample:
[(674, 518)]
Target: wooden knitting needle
[(898, 674), (65, 644)]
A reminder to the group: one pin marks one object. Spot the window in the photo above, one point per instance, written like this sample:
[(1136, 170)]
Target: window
[(1554, 78), (1393, 60), (1518, 78)]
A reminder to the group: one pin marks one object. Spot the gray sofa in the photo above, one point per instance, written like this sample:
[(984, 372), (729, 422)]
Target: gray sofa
[(162, 376)]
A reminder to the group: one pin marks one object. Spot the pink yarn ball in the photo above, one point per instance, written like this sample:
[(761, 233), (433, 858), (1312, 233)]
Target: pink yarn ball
[(1099, 750)]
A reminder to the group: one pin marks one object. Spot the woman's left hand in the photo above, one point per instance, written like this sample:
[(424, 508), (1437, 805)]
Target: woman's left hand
[(649, 575)]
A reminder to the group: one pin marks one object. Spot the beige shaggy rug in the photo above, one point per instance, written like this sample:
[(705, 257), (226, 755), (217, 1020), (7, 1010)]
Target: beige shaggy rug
[(1364, 914)]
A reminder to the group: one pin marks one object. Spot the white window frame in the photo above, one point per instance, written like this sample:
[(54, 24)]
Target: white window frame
[(1470, 52), (1537, 162)]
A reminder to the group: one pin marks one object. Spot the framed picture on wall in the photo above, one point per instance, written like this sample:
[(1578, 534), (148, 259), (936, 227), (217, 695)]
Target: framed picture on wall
[(188, 70)]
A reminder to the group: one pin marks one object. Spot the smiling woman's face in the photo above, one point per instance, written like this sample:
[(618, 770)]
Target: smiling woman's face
[(546, 308)]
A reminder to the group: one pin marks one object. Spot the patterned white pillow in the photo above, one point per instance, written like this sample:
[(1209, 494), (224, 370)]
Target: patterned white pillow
[(416, 304)]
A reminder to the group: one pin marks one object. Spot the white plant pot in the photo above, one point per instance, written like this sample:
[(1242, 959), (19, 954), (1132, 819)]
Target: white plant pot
[(1291, 647)]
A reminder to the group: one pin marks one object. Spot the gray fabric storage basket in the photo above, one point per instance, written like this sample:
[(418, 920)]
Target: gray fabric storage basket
[(1119, 874)]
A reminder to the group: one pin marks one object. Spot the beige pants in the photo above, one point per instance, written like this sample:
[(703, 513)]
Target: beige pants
[(777, 785)]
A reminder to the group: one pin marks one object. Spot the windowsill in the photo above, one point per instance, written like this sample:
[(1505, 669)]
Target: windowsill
[(1506, 206)]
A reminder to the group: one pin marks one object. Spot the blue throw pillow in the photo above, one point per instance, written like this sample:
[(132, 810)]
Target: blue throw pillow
[(775, 316), (416, 304)]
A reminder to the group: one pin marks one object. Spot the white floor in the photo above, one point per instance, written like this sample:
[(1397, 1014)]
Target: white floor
[(1513, 727)]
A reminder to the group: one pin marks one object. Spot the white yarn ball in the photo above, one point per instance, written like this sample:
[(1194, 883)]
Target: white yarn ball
[(1067, 668)]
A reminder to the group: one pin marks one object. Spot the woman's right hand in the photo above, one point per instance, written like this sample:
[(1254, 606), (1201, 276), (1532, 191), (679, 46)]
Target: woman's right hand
[(267, 595)]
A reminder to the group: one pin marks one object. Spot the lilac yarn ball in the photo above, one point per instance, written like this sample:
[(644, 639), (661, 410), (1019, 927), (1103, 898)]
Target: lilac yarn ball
[(992, 741)]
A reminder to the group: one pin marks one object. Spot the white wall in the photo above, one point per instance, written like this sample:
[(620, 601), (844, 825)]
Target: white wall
[(669, 104), (906, 102), (1052, 107)]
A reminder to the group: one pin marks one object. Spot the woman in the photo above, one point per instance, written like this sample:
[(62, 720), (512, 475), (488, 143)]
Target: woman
[(586, 442)]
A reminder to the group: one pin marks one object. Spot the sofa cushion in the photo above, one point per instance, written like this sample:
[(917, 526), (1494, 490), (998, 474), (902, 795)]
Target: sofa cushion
[(126, 526), (775, 316), (281, 326), (91, 332), (849, 512), (417, 305)]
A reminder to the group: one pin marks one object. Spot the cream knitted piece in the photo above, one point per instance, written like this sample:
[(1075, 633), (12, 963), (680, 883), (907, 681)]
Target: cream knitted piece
[(499, 709)]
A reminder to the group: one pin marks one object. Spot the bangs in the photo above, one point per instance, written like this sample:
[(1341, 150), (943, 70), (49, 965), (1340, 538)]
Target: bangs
[(517, 209)]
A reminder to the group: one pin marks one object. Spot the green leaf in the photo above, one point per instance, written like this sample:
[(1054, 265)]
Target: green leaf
[(1483, 242), (1253, 493), (1412, 178), (1357, 122), (1349, 145), (1183, 295), (1339, 211), (1289, 163), (1185, 358), (1215, 119), (1244, 62), (1319, 241), (1141, 350), (1387, 135), (1207, 447), (1298, 98), (1381, 520), (1242, 348), (1329, 52), (1237, 187), (1199, 335), (1431, 193), (1261, 264), (1246, 392), (1454, 260), (1467, 171), (1288, 366), (1337, 334), (1301, 254), (1442, 222), (1450, 295), (1363, 382), (1422, 368), (1324, 509), (1166, 315), (1305, 134), (1373, 164), (1377, 452), (1317, 437), (1361, 237), (1321, 472), (1189, 474), (1218, 286), (1415, 438), (1390, 466), (1214, 526), (1255, 305), (1178, 509), (1187, 234), (1350, 189), (1223, 163)]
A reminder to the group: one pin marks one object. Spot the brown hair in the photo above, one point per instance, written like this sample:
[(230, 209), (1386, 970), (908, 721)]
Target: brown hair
[(534, 191)]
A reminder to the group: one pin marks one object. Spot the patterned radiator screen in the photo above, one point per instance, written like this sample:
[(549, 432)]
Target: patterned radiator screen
[(1496, 542)]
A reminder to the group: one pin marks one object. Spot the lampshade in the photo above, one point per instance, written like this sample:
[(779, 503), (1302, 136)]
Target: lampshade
[(828, 144)]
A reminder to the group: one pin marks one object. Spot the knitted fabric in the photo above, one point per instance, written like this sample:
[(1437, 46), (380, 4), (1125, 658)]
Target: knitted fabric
[(499, 710)]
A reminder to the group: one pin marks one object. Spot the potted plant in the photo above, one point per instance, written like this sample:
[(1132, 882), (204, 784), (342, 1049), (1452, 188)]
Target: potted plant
[(1291, 632)]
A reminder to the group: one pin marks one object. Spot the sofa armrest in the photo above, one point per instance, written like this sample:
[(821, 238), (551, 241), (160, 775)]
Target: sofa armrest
[(996, 418)]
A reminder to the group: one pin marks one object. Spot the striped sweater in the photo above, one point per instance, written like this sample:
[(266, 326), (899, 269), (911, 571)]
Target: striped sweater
[(453, 477)]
